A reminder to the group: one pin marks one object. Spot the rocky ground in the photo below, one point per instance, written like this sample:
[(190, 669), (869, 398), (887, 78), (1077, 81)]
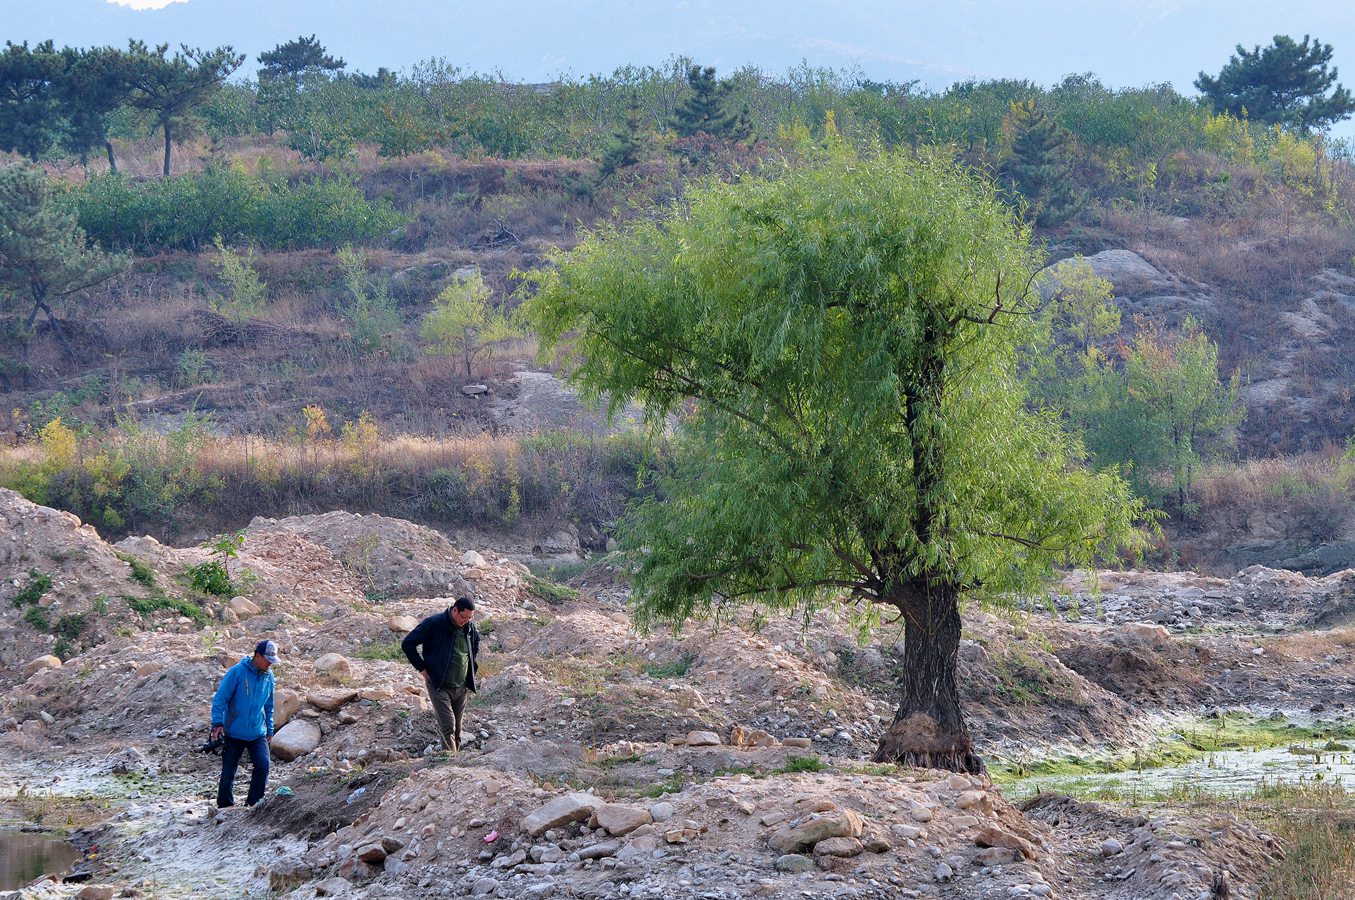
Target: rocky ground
[(601, 762)]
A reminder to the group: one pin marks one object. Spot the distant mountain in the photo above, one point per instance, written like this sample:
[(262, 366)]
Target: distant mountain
[(1125, 42)]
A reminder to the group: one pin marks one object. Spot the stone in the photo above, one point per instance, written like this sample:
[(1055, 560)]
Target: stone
[(958, 782), (1143, 633), (794, 864), (42, 662), (377, 694), (474, 560), (146, 670), (331, 699), (598, 851), (620, 820), (992, 836), (663, 811), (996, 856), (703, 739), (804, 834), (572, 807), (332, 887), (286, 703), (907, 832), (96, 892), (243, 607), (296, 738), (920, 812), (745, 738), (802, 743), (335, 665), (474, 390), (402, 624), (681, 835), (838, 846), (354, 869), (1111, 847), (287, 873), (484, 887), (943, 873), (877, 844), (978, 801)]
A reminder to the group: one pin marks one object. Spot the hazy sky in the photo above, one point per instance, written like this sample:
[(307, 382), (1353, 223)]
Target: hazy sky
[(1124, 42)]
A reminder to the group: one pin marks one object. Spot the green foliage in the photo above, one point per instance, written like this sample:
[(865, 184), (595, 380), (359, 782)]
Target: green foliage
[(210, 577), (673, 668), (1038, 166), (296, 59), (147, 606), (373, 318), (1156, 407), (552, 591), (34, 589), (141, 572), (387, 650), (706, 109), (70, 626), (170, 88), (45, 260), (462, 322), (802, 764), (246, 294), (191, 211), (36, 616), (846, 287), (29, 98), (1284, 83)]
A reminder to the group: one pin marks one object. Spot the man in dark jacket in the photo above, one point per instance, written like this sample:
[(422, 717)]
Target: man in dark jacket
[(242, 713), (450, 642)]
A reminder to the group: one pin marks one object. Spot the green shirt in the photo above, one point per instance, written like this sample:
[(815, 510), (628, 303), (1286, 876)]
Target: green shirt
[(460, 665)]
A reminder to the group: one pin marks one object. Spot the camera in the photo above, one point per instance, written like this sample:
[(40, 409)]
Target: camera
[(212, 746)]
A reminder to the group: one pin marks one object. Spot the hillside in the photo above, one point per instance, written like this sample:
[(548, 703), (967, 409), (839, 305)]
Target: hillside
[(709, 765)]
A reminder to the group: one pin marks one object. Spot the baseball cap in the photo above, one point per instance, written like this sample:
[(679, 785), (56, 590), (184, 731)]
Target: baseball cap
[(268, 650)]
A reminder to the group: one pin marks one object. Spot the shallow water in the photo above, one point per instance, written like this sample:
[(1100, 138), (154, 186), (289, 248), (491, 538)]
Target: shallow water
[(24, 857), (1223, 774)]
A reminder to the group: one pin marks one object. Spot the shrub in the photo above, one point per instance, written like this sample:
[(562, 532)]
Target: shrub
[(210, 578), (146, 606), (38, 585), (37, 617)]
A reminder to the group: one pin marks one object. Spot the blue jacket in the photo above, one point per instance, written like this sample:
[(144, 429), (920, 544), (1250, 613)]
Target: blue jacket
[(436, 634), (244, 702)]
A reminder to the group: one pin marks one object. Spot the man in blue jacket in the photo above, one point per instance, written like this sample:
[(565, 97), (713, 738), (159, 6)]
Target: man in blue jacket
[(450, 642), (242, 713)]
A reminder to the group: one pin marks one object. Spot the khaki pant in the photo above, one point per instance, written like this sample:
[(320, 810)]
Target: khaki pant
[(448, 703)]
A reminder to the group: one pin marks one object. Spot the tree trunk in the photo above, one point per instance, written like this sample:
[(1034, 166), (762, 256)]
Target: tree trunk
[(929, 729), (112, 163), (166, 149)]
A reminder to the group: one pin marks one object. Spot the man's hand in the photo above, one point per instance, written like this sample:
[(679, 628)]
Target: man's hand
[(218, 731), (427, 679)]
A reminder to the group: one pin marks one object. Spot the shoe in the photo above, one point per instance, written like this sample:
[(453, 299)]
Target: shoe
[(255, 807)]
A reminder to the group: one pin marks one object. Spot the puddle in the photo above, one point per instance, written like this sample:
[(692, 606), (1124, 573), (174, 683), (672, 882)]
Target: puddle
[(1223, 773), (24, 857)]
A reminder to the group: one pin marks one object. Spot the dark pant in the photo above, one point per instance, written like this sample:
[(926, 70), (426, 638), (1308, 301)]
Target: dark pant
[(230, 761), (448, 703)]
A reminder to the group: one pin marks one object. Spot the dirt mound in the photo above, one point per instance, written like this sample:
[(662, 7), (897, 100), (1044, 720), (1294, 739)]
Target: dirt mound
[(390, 558)]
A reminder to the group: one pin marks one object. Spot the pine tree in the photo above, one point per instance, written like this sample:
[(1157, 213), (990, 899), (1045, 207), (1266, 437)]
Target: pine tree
[(1038, 166), (44, 256), (29, 106), (624, 149), (1285, 83), (170, 88), (706, 109)]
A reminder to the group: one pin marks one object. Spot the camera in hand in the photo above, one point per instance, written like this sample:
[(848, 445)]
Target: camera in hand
[(212, 746)]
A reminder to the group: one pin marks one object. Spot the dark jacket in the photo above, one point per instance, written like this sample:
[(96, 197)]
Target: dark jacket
[(437, 635)]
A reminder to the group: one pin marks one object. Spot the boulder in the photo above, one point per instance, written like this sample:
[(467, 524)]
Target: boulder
[(402, 624), (286, 703), (42, 662), (243, 607), (620, 820), (146, 670), (803, 834), (992, 836), (296, 738), (96, 892), (330, 699), (335, 665), (572, 807), (371, 853), (1143, 633), (838, 846), (794, 864), (473, 559), (750, 737), (703, 739)]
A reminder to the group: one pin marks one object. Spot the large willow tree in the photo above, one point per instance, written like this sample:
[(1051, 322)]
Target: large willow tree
[(841, 342)]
